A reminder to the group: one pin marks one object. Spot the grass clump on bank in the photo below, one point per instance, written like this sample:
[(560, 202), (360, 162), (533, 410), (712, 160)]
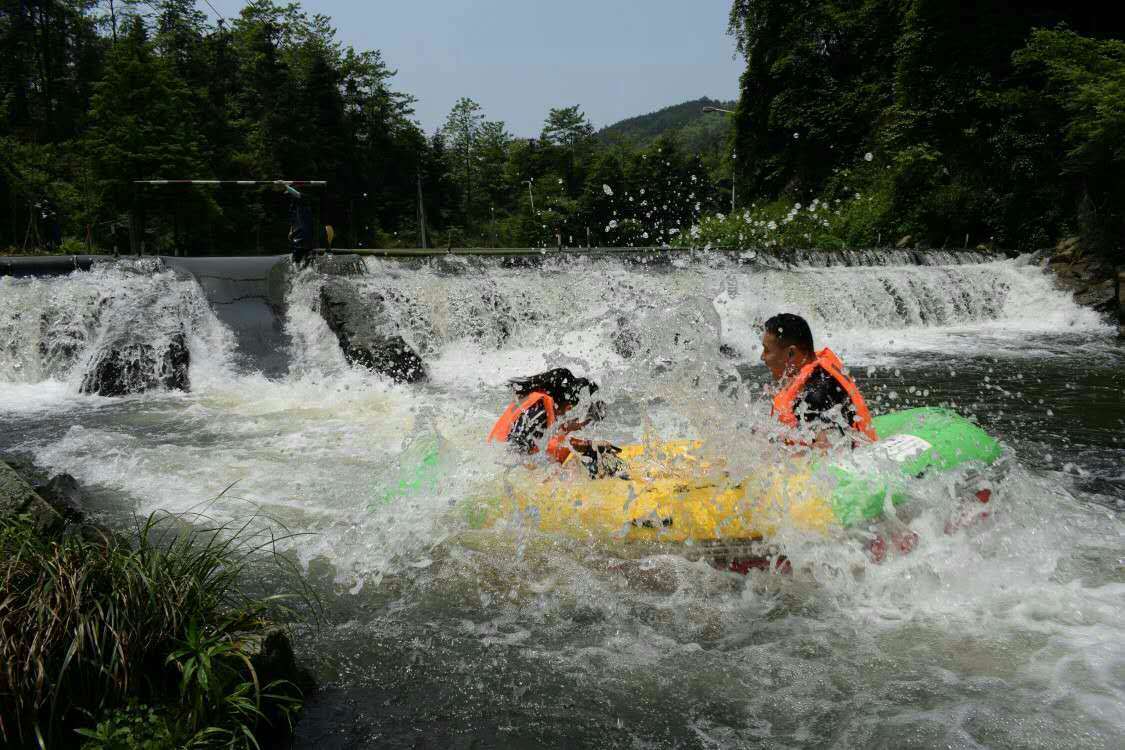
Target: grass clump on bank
[(139, 641)]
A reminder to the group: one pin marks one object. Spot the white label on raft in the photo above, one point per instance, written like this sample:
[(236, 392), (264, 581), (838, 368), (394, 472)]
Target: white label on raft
[(896, 448)]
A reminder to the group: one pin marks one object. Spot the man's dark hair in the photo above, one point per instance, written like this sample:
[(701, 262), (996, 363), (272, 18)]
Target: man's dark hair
[(560, 384), (791, 330)]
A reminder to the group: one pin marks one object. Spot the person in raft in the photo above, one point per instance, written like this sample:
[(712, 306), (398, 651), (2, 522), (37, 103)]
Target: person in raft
[(541, 402), (814, 390)]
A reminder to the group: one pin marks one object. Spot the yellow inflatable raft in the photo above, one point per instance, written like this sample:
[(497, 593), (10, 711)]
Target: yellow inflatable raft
[(671, 496)]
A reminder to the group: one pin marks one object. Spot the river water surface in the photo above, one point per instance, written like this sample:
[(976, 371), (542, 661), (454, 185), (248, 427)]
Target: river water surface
[(1008, 634)]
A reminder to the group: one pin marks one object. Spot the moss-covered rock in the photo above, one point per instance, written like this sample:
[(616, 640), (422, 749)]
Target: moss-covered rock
[(18, 498)]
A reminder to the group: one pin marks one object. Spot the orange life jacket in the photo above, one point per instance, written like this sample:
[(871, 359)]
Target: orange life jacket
[(556, 448), (784, 402)]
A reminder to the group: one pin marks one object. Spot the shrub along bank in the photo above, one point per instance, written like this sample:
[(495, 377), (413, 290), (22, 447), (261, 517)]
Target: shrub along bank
[(139, 640)]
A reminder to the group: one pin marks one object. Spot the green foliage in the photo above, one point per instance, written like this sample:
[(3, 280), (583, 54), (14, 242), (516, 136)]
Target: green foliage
[(822, 224), (566, 127), (979, 124), (164, 94), (92, 622), (685, 123), (134, 727), (1082, 82)]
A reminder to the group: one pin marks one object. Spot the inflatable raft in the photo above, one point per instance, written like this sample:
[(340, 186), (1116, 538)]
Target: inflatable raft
[(673, 496)]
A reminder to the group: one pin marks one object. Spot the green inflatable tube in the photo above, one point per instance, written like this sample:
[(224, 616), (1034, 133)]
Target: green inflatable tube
[(911, 444)]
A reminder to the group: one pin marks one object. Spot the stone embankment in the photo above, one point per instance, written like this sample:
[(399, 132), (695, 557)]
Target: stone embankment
[(1093, 280)]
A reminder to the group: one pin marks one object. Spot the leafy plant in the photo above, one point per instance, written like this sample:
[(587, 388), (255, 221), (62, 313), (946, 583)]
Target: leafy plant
[(91, 621)]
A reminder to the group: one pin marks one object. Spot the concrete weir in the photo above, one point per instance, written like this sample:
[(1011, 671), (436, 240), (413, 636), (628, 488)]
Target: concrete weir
[(248, 295)]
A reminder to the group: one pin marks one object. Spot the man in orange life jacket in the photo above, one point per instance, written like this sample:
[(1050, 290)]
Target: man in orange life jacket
[(541, 401), (814, 388)]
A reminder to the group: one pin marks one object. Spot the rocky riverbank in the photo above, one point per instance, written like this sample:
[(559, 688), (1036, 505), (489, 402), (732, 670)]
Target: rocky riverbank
[(1095, 281), (199, 660)]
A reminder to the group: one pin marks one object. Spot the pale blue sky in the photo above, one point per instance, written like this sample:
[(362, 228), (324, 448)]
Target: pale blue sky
[(519, 58)]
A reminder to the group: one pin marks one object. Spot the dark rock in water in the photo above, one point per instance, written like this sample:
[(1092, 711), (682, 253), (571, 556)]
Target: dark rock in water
[(19, 498), (367, 336), (136, 368), (628, 339), (61, 492), (340, 265), (1101, 297), (275, 660), (730, 352), (1119, 287), (274, 663)]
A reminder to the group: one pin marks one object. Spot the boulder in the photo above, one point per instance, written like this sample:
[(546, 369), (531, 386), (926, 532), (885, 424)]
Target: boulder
[(60, 491), (138, 367), (273, 661), (339, 265), (1067, 246), (18, 498), (367, 335), (1120, 284), (1099, 296), (628, 340)]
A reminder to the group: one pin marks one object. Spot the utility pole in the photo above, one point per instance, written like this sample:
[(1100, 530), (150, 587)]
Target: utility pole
[(532, 195), (421, 212), (733, 182)]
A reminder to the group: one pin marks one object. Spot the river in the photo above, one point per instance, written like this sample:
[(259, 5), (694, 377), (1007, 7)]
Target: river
[(1007, 634)]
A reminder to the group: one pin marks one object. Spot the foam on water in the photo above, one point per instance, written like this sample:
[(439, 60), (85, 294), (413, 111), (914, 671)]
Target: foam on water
[(1004, 634)]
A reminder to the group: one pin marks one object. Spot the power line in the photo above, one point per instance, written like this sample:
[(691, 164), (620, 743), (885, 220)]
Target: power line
[(215, 11)]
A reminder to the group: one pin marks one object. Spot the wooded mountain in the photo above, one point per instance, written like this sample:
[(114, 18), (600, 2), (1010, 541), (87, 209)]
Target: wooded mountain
[(697, 131)]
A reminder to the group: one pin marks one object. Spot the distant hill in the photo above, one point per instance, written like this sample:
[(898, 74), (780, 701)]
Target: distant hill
[(687, 124)]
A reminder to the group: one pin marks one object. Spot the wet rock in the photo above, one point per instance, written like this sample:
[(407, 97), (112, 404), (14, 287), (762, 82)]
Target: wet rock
[(497, 313), (1119, 282), (274, 663), (60, 491), (1067, 246), (1102, 297), (367, 335), (275, 660), (17, 498), (730, 352), (137, 367), (628, 339), (340, 265)]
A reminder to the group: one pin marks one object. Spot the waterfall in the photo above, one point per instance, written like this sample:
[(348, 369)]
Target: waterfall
[(59, 328)]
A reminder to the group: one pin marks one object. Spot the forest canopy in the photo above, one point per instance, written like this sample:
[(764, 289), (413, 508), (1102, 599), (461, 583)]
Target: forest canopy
[(859, 122)]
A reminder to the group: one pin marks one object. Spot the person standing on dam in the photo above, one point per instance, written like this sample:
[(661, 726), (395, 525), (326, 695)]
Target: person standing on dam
[(300, 224), (814, 389)]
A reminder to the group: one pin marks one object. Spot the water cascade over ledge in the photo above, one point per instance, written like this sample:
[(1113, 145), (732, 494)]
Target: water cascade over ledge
[(1004, 635)]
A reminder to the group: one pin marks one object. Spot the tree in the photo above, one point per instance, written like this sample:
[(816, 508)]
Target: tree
[(140, 120), (1084, 81), (494, 143), (568, 129), (461, 132)]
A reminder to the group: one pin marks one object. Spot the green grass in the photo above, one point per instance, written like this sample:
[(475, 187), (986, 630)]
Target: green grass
[(96, 627)]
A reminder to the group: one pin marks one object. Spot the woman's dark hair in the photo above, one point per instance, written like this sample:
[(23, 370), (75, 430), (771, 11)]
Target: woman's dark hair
[(563, 386), (791, 330)]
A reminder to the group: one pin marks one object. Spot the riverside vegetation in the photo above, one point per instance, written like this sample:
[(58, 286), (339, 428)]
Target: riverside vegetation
[(115, 641), (858, 124)]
